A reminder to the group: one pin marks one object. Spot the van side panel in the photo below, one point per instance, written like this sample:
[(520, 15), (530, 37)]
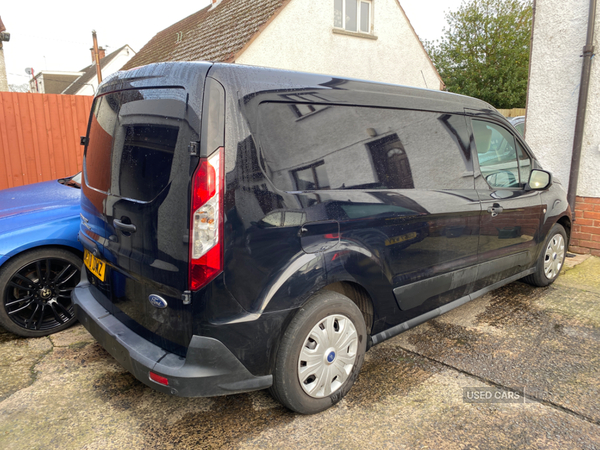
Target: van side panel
[(398, 235), (511, 214), (398, 183)]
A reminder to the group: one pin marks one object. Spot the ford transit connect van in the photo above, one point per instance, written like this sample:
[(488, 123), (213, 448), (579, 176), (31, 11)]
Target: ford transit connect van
[(248, 228)]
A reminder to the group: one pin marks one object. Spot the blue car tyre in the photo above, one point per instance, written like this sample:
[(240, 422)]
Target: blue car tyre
[(320, 355), (36, 291)]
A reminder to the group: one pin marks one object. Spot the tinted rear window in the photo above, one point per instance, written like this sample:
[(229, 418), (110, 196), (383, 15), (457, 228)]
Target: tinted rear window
[(132, 138), (145, 161), (308, 147)]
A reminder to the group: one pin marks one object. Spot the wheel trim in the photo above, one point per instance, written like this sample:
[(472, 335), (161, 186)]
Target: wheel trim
[(327, 356), (554, 256), (38, 295)]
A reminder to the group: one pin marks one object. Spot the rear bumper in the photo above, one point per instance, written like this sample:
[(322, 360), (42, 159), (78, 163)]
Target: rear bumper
[(209, 368)]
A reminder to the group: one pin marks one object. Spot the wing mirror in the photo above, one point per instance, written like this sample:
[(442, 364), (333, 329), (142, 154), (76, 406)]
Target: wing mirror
[(539, 180)]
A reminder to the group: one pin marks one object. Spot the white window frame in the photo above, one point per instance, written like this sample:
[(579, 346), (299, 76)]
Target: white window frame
[(358, 17)]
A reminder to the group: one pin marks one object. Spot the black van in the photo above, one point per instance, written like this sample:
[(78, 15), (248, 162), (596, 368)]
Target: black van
[(249, 228)]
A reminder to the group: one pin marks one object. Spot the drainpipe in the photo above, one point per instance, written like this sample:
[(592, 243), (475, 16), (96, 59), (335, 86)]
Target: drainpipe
[(588, 53)]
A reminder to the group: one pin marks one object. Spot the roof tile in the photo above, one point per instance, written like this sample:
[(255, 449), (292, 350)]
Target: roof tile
[(210, 34)]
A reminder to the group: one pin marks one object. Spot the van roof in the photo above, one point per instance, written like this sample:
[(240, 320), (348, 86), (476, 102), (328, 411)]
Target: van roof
[(266, 84)]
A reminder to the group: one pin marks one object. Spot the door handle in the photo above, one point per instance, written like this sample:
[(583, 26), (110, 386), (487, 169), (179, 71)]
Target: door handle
[(495, 209), (124, 227)]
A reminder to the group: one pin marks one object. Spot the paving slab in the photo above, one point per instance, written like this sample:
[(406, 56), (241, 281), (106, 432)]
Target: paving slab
[(583, 276), (66, 392), (543, 340), (82, 399), (17, 358)]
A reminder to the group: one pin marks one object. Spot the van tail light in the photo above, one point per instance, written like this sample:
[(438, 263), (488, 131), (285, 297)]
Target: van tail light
[(206, 228)]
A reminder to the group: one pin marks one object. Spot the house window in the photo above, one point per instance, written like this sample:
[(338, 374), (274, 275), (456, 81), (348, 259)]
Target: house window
[(302, 110), (313, 177), (353, 15)]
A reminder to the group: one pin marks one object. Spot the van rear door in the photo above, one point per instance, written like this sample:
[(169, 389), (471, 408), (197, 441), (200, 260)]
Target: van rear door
[(136, 202)]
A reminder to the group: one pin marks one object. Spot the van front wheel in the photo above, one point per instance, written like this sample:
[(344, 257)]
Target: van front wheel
[(320, 355), (551, 259)]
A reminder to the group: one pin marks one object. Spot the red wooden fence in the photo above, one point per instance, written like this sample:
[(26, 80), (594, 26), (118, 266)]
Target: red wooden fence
[(39, 136)]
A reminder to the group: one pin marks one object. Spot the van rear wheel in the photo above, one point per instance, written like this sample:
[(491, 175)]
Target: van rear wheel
[(320, 355)]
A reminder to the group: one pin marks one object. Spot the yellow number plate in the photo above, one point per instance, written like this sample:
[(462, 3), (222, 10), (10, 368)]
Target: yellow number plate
[(96, 266), (401, 238)]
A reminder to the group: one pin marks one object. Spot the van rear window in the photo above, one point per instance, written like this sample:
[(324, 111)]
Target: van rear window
[(312, 147), (131, 141), (100, 135), (146, 160)]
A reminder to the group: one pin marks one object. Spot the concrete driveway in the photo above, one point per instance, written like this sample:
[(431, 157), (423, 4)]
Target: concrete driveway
[(415, 391)]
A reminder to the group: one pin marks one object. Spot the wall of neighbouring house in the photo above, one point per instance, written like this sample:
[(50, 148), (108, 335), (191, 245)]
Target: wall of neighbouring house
[(39, 136), (558, 38), (3, 78), (52, 82), (301, 38), (114, 65)]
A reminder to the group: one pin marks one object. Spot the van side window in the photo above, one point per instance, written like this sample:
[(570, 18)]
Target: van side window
[(349, 147), (497, 154)]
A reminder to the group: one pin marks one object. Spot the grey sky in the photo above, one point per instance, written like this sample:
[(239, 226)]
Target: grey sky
[(57, 35)]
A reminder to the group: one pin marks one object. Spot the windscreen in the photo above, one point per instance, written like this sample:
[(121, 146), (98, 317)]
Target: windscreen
[(132, 138)]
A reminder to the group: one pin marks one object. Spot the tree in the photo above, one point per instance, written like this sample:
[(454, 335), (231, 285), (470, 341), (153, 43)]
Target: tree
[(484, 52)]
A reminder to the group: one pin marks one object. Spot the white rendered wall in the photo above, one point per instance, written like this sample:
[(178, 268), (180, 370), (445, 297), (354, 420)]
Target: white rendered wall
[(301, 38), (559, 36), (3, 78)]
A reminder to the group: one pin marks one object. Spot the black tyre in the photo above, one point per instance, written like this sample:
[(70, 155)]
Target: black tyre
[(320, 355), (551, 259), (35, 289)]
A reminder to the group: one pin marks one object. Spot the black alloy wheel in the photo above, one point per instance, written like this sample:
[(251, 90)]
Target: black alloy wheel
[(36, 292)]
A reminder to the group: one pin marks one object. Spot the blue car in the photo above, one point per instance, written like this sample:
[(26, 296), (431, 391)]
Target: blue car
[(40, 256)]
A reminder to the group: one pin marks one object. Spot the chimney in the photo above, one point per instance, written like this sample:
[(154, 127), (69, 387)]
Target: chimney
[(3, 37), (101, 54), (215, 3)]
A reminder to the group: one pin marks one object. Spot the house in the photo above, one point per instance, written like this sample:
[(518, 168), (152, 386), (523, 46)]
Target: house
[(367, 39), (52, 81), (83, 82), (559, 36)]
